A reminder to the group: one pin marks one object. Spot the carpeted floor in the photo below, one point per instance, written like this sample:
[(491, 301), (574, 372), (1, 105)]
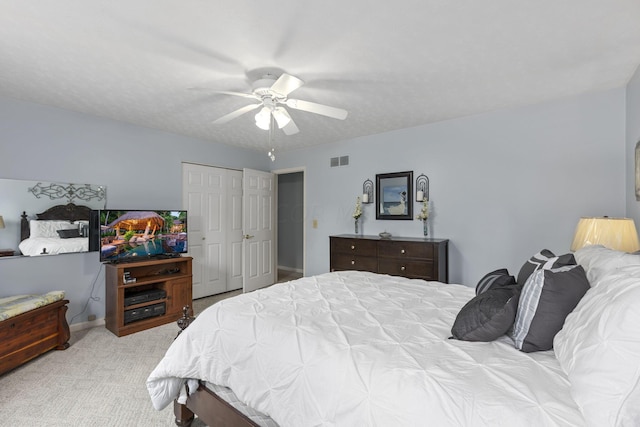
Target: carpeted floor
[(99, 381)]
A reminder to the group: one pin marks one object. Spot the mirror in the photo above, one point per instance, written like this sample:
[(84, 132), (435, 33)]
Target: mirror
[(36, 197), (394, 195)]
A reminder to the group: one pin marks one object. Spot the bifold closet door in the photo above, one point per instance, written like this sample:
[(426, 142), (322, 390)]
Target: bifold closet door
[(204, 193)]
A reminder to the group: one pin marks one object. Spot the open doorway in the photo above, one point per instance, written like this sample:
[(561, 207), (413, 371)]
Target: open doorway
[(290, 233)]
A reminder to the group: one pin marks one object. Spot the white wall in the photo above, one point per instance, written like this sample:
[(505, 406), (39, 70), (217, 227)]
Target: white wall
[(633, 136), (503, 185), (140, 167)]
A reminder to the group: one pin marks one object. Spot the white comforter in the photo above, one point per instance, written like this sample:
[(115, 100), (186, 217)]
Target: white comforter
[(54, 245), (361, 349)]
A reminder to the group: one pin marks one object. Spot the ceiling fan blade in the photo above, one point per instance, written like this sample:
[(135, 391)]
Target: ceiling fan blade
[(228, 117), (290, 128), (286, 84), (226, 92), (312, 107)]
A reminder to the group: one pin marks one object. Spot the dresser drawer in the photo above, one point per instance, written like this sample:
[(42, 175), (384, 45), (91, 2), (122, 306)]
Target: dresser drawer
[(410, 269), (401, 250), (353, 262), (360, 247)]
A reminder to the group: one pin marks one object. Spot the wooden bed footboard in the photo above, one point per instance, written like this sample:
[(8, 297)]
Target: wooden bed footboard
[(211, 409), (33, 333)]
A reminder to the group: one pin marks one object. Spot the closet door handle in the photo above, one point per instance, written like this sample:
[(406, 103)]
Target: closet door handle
[(248, 236)]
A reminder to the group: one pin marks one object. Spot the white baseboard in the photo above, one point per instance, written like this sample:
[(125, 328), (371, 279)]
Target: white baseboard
[(86, 325)]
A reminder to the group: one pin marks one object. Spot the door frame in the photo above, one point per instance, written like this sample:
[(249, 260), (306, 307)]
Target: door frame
[(304, 215)]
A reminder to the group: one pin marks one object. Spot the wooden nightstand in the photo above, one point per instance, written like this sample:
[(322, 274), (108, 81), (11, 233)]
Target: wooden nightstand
[(7, 252)]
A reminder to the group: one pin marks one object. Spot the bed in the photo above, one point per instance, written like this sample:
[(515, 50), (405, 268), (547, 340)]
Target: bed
[(357, 348), (31, 325), (60, 229)]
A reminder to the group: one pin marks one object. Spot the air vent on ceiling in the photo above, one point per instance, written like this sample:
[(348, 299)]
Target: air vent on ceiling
[(339, 161)]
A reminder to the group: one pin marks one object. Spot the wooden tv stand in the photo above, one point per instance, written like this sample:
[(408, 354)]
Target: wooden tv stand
[(169, 280)]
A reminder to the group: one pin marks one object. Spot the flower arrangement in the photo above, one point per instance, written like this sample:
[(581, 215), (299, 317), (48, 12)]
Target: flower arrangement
[(357, 213), (424, 212), (423, 216)]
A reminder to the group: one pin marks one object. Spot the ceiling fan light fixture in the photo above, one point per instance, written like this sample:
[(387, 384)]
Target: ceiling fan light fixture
[(263, 118), (282, 117)]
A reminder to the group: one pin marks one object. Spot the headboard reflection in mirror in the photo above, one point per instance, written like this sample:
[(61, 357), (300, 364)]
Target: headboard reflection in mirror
[(47, 218)]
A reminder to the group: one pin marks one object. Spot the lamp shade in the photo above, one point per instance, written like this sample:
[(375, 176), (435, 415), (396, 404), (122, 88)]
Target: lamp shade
[(614, 233), (1, 222)]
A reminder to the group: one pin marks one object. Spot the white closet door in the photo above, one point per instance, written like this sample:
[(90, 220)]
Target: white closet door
[(234, 230), (203, 197), (258, 211)]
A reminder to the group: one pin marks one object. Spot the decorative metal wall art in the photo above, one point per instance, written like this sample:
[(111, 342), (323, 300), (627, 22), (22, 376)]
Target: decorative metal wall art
[(71, 192)]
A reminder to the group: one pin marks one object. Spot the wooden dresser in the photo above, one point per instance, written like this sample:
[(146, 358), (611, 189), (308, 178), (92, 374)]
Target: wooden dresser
[(416, 258)]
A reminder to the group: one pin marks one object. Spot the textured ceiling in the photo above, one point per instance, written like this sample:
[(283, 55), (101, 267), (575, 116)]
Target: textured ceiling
[(391, 65)]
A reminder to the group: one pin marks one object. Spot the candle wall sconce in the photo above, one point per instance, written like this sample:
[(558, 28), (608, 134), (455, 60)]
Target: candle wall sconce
[(367, 191), (422, 188)]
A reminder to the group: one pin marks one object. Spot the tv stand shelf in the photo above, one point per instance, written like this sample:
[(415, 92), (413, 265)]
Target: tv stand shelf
[(168, 283)]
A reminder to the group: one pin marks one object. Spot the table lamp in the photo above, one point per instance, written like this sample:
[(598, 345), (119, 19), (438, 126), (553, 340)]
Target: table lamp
[(614, 233)]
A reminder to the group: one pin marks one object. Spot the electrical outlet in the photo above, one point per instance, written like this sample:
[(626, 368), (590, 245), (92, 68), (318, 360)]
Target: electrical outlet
[(91, 317), (315, 223)]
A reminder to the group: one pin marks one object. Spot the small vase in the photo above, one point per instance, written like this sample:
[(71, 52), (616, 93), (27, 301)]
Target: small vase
[(425, 227), (356, 225)]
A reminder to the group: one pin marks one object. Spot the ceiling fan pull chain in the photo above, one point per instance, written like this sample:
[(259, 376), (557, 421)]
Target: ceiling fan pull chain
[(272, 153)]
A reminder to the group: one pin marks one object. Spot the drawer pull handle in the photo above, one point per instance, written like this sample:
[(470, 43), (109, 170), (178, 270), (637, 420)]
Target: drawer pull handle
[(353, 247), (353, 262), (402, 251), (403, 268)]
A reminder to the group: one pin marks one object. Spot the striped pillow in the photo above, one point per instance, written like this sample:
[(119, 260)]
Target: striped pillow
[(547, 298), (495, 279), (544, 259)]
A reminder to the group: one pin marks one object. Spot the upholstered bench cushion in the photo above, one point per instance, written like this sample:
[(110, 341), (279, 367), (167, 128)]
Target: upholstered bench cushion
[(14, 305)]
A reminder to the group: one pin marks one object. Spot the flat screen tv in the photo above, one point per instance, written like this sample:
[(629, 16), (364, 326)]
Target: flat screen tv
[(137, 235)]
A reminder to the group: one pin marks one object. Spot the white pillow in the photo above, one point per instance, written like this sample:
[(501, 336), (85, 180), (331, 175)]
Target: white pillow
[(598, 261), (599, 350), (45, 228)]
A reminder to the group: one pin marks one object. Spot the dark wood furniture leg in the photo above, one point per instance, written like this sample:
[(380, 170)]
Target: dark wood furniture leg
[(184, 417), (211, 409)]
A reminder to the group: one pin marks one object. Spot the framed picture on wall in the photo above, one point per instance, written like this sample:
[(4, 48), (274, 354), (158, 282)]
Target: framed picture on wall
[(394, 195), (638, 171)]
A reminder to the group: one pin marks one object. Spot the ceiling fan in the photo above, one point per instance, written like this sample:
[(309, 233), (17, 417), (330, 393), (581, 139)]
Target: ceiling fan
[(272, 94)]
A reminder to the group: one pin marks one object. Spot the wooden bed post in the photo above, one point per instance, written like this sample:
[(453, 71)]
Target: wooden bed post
[(184, 417)]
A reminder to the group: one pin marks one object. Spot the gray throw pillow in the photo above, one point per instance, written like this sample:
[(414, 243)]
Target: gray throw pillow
[(495, 279), (546, 300), (545, 259), (487, 316), (69, 233)]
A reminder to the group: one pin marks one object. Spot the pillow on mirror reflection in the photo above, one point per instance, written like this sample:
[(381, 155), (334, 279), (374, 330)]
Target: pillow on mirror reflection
[(47, 228)]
